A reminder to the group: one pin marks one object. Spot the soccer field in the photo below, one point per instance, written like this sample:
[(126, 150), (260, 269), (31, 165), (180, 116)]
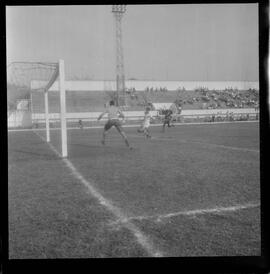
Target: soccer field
[(191, 191)]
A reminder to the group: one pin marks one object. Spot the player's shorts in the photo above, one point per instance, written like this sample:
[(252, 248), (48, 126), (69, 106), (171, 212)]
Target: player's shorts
[(167, 120), (113, 122), (145, 125), (174, 117), (140, 130)]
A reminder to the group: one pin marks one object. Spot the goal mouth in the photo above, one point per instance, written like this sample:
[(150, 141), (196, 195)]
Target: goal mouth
[(27, 78)]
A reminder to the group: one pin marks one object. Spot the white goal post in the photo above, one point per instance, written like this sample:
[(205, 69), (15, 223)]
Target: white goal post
[(63, 117), (24, 78)]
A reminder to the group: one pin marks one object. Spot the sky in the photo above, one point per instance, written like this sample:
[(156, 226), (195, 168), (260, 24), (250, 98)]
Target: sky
[(182, 42)]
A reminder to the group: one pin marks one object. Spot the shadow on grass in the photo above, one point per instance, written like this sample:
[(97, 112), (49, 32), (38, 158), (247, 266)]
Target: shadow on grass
[(96, 151), (87, 146), (37, 155)]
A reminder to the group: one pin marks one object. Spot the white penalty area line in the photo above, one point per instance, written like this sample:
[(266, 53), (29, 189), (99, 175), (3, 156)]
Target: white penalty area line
[(143, 240), (227, 147), (136, 125), (157, 138), (162, 139), (197, 142), (192, 213)]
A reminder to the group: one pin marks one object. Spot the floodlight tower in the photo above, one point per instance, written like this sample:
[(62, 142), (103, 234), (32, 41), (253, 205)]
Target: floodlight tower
[(118, 11)]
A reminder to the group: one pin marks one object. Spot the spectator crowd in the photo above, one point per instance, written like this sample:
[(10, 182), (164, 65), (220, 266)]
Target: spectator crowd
[(207, 99)]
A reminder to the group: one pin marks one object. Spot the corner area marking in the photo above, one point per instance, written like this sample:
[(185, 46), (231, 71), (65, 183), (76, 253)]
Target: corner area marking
[(216, 210), (141, 238)]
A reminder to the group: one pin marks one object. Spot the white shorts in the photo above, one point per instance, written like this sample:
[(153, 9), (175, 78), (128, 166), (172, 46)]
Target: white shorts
[(146, 125)]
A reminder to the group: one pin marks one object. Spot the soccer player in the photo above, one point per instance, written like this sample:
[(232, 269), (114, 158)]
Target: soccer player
[(146, 123), (113, 120), (167, 119), (80, 124), (174, 110)]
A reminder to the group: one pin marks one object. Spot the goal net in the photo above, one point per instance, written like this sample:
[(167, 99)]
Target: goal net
[(26, 80)]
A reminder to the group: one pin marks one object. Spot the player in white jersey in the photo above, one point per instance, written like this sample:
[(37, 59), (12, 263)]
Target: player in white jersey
[(113, 120), (146, 123)]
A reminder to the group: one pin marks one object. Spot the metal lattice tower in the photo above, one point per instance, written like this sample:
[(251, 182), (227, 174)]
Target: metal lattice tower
[(118, 11)]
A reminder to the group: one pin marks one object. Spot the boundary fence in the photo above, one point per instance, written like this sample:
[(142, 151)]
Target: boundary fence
[(185, 116), (26, 119)]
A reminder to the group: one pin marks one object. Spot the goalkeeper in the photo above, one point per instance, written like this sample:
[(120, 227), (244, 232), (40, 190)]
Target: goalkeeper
[(113, 120)]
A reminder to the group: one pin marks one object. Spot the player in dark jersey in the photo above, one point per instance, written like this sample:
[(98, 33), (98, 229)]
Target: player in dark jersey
[(113, 120), (80, 124), (167, 119)]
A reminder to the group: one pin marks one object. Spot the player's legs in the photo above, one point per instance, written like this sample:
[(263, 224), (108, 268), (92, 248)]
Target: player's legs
[(169, 122), (164, 124), (118, 126), (140, 129), (107, 126), (172, 120), (147, 132), (104, 136), (122, 133), (80, 124), (163, 127)]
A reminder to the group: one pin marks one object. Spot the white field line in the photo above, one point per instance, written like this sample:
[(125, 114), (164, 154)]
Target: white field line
[(193, 213), (164, 139), (135, 125), (197, 142), (182, 141), (227, 147), (146, 244)]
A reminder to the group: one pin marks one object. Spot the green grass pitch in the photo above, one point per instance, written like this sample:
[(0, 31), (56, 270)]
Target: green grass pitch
[(191, 191)]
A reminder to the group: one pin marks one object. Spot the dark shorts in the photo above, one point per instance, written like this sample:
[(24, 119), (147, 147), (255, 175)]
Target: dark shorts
[(167, 120), (113, 122)]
